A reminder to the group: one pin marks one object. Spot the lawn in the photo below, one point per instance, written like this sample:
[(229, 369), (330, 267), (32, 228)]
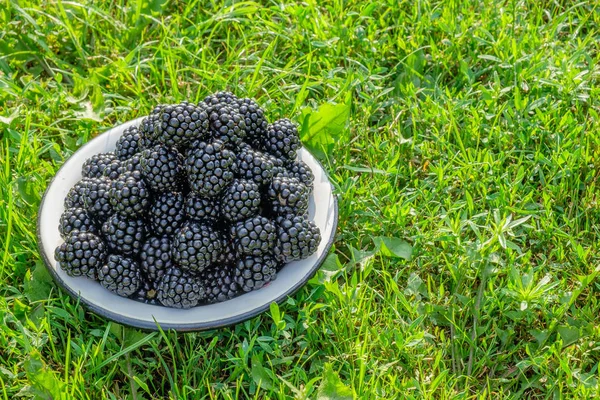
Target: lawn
[(466, 259)]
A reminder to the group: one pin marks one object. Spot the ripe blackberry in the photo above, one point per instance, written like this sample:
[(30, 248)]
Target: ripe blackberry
[(120, 275), (221, 98), (155, 257), (123, 234), (302, 172), (288, 196), (113, 169), (254, 117), (297, 238), (80, 254), (167, 213), (254, 272), (132, 165), (94, 166), (209, 168), (281, 139), (195, 246), (147, 131), (201, 208), (240, 200), (278, 166), (226, 124), (129, 195), (254, 165), (146, 293), (161, 167), (96, 197), (129, 143), (179, 289), (179, 124), (254, 236), (74, 198), (220, 285), (75, 219), (228, 255)]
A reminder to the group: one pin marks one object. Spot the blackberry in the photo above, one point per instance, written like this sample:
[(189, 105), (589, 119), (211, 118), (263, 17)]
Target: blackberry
[(112, 170), (201, 208), (147, 131), (155, 257), (254, 165), (129, 195), (220, 285), (96, 197), (254, 236), (179, 289), (254, 118), (161, 167), (120, 275), (167, 213), (281, 139), (129, 143), (302, 172), (123, 234), (80, 254), (74, 198), (226, 124), (179, 124), (94, 166), (146, 293), (209, 167), (195, 246), (133, 165), (221, 98), (278, 166), (288, 196), (228, 255), (254, 272), (297, 238), (240, 200), (75, 219)]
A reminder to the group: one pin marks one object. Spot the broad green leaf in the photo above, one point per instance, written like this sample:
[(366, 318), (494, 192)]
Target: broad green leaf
[(322, 128), (394, 247), (332, 387), (260, 375), (39, 286), (568, 334)]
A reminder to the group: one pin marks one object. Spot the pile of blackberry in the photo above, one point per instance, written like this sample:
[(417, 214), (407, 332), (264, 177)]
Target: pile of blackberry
[(198, 204)]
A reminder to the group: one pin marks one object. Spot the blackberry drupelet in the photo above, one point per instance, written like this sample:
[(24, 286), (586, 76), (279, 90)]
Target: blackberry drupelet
[(146, 293), (74, 198), (155, 257), (167, 213), (281, 139), (302, 172), (209, 167), (195, 246), (179, 124), (227, 125), (254, 118), (75, 219), (254, 236), (81, 254), (96, 197), (123, 234), (113, 169), (94, 166), (254, 165), (253, 272), (129, 195), (297, 238), (220, 285), (202, 208), (120, 275), (162, 167), (288, 196), (240, 200), (179, 289), (129, 143)]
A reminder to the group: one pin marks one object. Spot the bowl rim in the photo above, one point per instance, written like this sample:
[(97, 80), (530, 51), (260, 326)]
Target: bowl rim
[(183, 327)]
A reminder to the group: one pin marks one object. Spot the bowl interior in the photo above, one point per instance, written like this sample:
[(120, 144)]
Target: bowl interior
[(137, 314)]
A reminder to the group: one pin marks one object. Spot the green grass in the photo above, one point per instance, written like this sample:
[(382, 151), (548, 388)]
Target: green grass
[(473, 135)]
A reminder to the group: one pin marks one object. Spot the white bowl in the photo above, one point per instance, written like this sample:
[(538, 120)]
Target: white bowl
[(322, 210)]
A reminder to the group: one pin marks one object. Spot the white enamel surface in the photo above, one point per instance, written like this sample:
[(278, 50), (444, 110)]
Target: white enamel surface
[(322, 211)]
